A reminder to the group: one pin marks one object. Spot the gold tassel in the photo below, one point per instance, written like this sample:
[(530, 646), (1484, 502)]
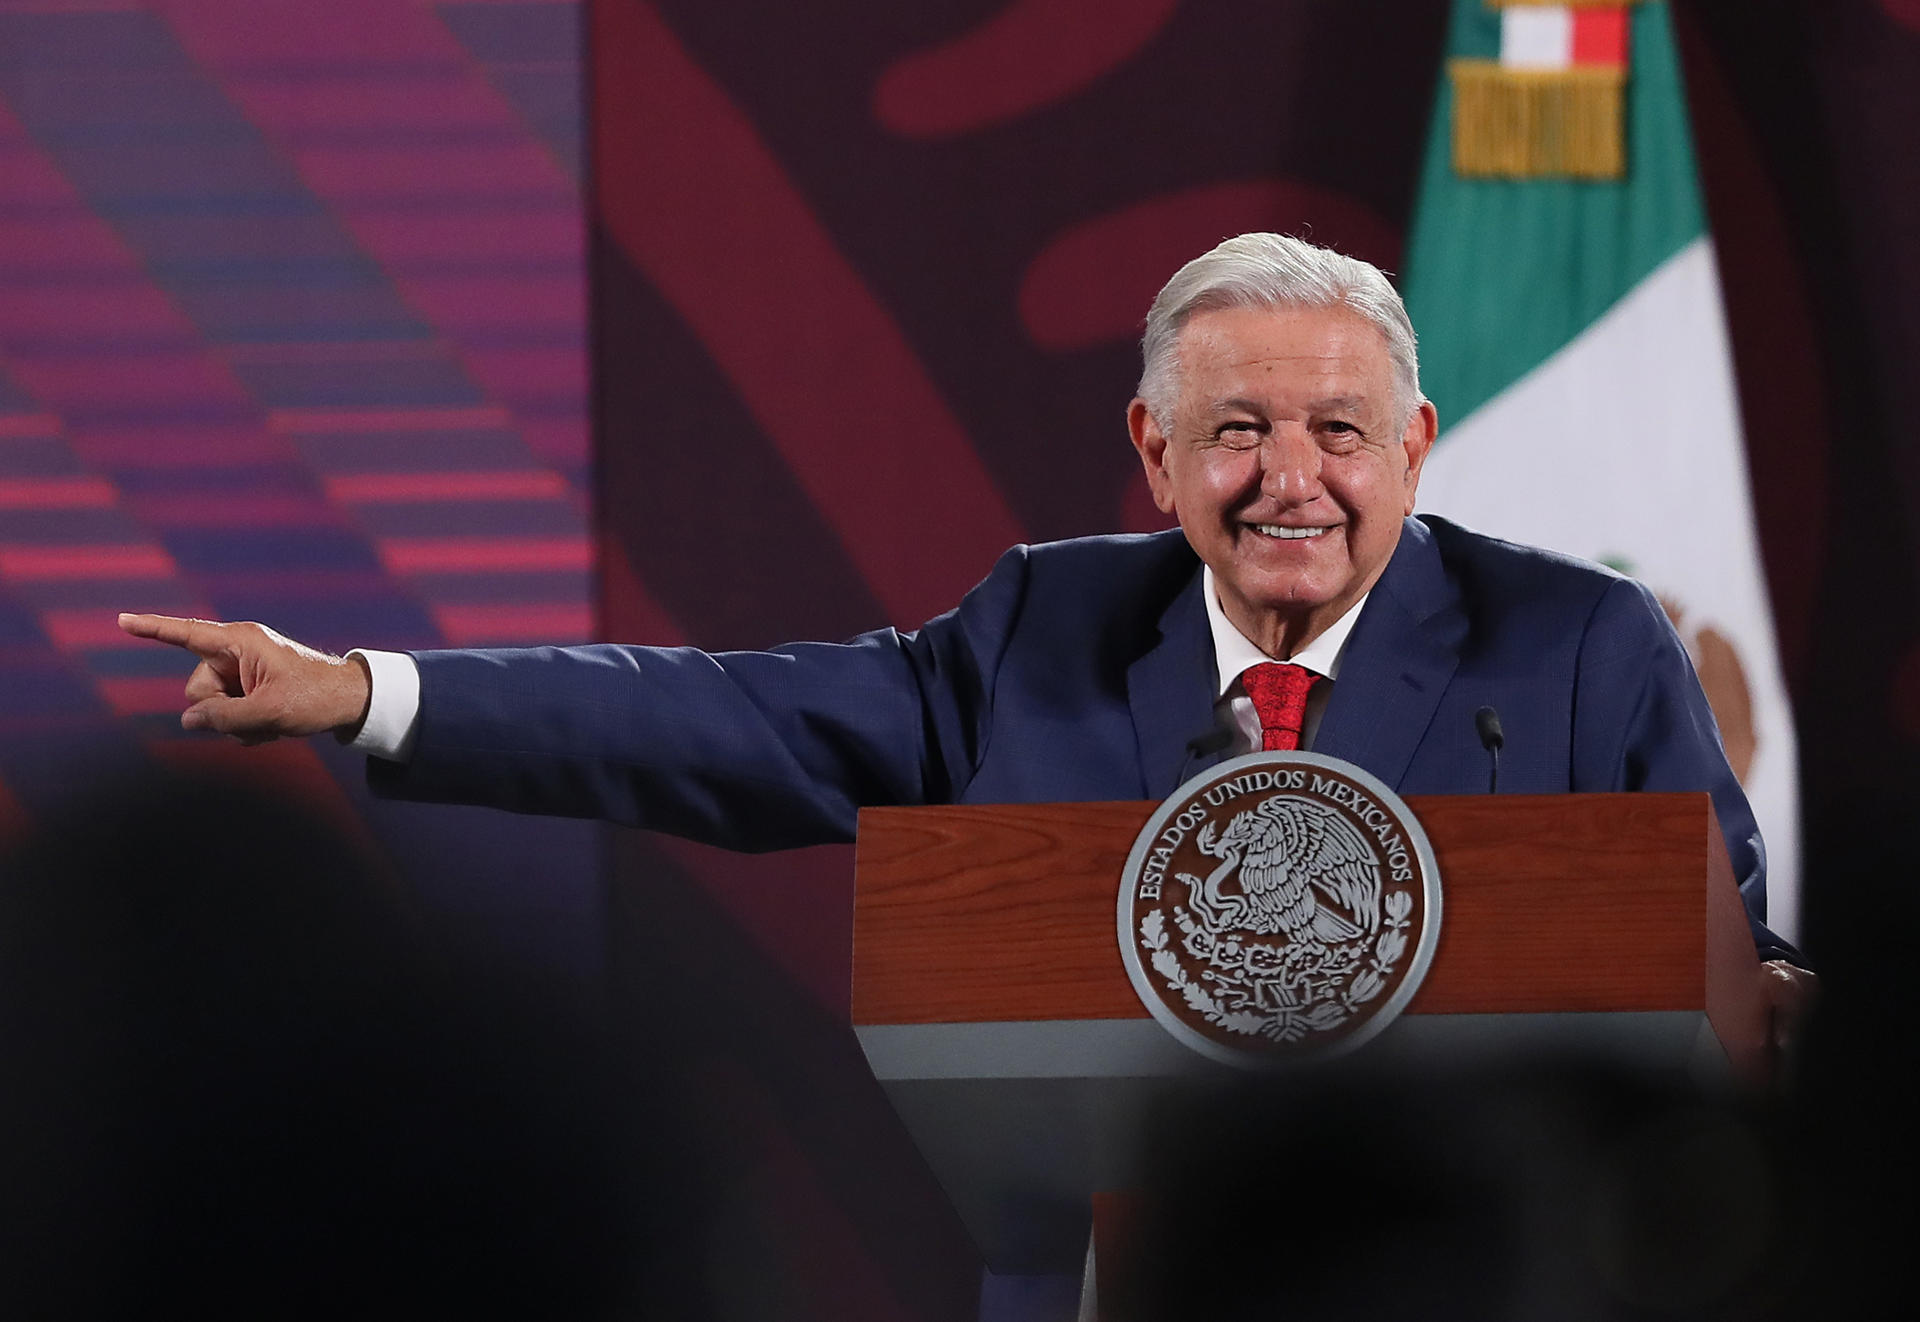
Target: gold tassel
[(1537, 124)]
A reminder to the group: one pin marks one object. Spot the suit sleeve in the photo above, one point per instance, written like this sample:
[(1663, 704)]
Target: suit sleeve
[(749, 750), (1643, 723)]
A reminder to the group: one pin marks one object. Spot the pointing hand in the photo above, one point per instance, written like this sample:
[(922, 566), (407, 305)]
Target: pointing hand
[(257, 685)]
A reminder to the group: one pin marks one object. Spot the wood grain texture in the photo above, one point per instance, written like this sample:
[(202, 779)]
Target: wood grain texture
[(1584, 902)]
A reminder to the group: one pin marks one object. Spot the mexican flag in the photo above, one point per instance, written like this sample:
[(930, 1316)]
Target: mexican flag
[(1573, 339)]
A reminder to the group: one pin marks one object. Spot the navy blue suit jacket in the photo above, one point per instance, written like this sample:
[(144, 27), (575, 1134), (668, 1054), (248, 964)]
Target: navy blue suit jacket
[(1083, 670)]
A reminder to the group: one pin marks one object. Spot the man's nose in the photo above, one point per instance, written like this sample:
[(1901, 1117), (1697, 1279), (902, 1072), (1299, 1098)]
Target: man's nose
[(1290, 466)]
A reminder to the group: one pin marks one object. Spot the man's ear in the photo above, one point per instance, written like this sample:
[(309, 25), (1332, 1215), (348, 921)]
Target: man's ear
[(1417, 440), (1151, 445)]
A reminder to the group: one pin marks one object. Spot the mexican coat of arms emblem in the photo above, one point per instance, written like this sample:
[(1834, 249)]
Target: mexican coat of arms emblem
[(1280, 905)]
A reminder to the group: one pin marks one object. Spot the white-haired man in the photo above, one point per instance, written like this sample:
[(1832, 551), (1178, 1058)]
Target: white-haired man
[(1280, 420)]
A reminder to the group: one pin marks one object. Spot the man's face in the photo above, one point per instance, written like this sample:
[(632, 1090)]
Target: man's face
[(1286, 461)]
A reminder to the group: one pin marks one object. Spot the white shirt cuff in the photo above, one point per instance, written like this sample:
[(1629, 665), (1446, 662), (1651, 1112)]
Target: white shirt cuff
[(393, 710)]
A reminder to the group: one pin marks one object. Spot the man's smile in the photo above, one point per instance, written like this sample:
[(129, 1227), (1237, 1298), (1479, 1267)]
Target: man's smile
[(1284, 533)]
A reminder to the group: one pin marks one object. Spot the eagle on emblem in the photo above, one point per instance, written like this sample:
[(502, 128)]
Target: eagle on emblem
[(1304, 869)]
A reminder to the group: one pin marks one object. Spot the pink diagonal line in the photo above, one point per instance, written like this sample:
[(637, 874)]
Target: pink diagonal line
[(456, 555), (29, 426), (812, 352), (57, 493), (333, 421), (384, 488), (38, 563)]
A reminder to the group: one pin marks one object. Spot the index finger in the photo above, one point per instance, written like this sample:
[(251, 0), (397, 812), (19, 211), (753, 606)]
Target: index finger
[(203, 637)]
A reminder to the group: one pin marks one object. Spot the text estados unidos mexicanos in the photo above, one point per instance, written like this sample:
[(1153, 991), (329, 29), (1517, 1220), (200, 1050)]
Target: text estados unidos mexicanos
[(1370, 815)]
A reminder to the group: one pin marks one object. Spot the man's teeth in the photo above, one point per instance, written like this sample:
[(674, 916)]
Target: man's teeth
[(1284, 534)]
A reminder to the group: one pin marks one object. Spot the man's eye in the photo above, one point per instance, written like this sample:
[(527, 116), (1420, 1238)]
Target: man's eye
[(1239, 435)]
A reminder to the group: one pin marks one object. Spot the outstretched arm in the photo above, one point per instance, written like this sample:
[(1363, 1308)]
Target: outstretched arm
[(751, 750), (259, 685)]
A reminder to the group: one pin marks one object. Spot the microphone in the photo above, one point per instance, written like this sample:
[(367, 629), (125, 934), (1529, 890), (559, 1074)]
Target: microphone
[(1204, 746), (1493, 739)]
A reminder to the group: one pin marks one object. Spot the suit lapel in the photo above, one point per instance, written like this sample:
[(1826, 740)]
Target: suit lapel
[(1403, 652), (1170, 690)]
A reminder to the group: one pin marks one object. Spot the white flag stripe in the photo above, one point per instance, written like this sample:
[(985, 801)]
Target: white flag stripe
[(1627, 443), (1536, 37)]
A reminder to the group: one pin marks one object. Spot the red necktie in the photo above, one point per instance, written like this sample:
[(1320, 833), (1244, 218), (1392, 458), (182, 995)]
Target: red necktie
[(1279, 694)]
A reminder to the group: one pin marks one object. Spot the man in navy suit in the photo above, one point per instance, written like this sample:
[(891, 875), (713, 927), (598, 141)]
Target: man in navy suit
[(1280, 420)]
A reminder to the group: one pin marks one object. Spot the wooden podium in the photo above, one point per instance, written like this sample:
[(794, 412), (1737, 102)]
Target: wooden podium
[(989, 995)]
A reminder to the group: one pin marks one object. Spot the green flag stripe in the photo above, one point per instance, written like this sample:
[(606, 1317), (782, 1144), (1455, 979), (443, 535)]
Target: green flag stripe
[(1502, 273)]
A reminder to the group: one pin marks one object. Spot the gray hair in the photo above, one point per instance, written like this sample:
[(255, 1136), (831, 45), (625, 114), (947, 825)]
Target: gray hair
[(1273, 271)]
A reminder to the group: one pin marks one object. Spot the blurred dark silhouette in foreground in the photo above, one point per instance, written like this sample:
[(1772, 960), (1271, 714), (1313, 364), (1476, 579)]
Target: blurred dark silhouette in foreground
[(1567, 1191), (1580, 1190), (242, 1078)]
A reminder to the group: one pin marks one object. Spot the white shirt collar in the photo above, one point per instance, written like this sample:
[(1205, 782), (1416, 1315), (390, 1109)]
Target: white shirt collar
[(1233, 653)]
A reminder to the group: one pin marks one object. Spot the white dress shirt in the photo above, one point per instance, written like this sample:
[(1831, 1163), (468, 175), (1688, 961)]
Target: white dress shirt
[(393, 709), (1234, 655)]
